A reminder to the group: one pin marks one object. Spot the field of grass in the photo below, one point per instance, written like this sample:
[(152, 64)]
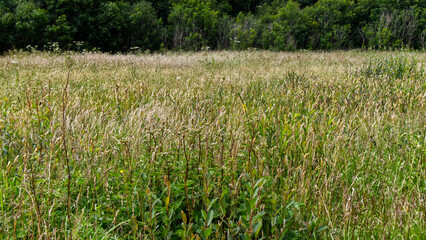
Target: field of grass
[(213, 145)]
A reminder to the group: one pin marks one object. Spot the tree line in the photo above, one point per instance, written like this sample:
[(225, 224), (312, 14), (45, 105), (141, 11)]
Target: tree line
[(127, 25)]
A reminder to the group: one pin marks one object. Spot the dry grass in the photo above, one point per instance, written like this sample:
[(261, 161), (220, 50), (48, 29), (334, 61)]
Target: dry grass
[(218, 145)]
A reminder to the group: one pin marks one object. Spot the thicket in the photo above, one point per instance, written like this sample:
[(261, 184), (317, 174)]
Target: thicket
[(125, 25), (216, 24)]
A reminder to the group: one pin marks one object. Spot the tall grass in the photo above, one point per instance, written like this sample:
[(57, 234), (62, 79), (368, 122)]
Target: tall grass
[(218, 145)]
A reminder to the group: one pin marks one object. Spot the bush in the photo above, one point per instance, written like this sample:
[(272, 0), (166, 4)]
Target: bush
[(244, 32), (111, 24), (6, 29), (144, 27), (288, 29), (394, 29), (193, 24), (61, 31), (330, 24), (30, 23)]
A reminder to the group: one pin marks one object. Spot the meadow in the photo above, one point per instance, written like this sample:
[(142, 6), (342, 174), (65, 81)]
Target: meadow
[(213, 145)]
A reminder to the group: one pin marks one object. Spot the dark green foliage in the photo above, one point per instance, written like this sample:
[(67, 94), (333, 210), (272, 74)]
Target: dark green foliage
[(111, 23), (61, 31), (144, 27), (81, 14), (30, 24), (394, 29), (121, 26), (6, 28), (162, 7), (288, 30), (193, 24), (304, 3), (330, 24)]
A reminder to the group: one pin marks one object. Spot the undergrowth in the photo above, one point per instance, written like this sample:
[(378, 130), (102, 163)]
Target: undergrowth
[(221, 145)]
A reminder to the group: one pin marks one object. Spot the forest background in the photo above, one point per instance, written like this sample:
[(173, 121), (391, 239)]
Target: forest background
[(156, 25)]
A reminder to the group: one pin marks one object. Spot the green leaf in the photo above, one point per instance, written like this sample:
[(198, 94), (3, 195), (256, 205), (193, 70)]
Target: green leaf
[(222, 210), (259, 183), (211, 203), (155, 202), (259, 215), (207, 232), (182, 213), (322, 228), (256, 191), (253, 203), (171, 213), (21, 234), (256, 228), (224, 192), (210, 217), (204, 214), (153, 213)]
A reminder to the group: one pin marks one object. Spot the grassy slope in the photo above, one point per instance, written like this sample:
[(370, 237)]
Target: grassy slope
[(218, 144)]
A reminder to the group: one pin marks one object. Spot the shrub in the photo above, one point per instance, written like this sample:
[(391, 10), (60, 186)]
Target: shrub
[(330, 24), (61, 31), (287, 30), (30, 24), (244, 32), (193, 24), (144, 26), (6, 28)]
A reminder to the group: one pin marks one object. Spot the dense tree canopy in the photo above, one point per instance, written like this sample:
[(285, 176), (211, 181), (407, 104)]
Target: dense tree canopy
[(122, 25)]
